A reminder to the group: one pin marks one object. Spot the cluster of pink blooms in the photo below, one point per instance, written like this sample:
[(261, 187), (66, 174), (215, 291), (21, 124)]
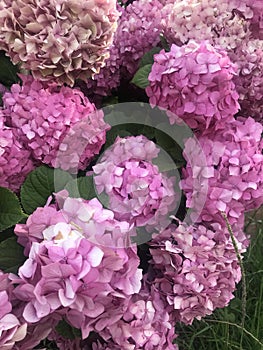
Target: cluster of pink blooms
[(145, 324), (195, 83), (138, 192), (195, 269), (231, 180), (55, 126), (224, 23), (58, 40), (235, 26), (80, 265)]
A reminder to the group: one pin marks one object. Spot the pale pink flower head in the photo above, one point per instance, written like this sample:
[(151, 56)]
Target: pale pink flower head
[(195, 269), (58, 40), (195, 83), (59, 126), (223, 23), (15, 160), (137, 191), (81, 268)]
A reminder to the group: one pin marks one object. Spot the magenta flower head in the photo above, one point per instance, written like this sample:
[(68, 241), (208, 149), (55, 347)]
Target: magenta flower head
[(58, 40), (195, 269), (15, 160), (11, 329), (137, 191), (59, 126), (234, 172), (81, 269), (195, 83)]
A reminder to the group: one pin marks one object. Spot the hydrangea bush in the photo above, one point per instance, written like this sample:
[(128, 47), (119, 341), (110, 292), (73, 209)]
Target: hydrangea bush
[(113, 230)]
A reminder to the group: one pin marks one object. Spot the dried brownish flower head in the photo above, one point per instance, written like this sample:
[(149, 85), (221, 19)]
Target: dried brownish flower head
[(62, 40)]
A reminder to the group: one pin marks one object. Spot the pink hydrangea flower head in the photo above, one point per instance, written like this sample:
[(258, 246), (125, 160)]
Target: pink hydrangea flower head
[(58, 125), (223, 23), (195, 269), (195, 83), (145, 324), (15, 160), (138, 31), (137, 191), (11, 329), (234, 171), (249, 81), (58, 40), (109, 76), (80, 269)]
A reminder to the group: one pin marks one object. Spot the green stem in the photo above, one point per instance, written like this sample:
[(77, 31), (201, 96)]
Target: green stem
[(239, 258)]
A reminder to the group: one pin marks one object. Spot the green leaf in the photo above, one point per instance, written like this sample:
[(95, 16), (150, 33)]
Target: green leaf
[(8, 72), (164, 43), (10, 210), (9, 232), (148, 57), (81, 187), (167, 143), (140, 78), (40, 184), (67, 331), (11, 255)]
